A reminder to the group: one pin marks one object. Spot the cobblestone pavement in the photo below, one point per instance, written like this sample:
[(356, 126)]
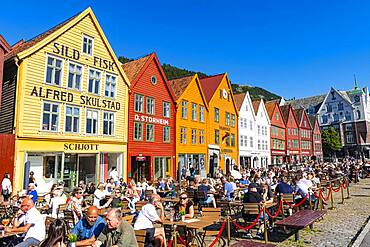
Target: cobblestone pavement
[(341, 225)]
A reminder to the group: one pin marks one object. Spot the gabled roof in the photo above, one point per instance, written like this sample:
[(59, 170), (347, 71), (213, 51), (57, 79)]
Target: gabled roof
[(270, 107), (285, 112), (132, 68), (239, 99), (24, 49), (313, 101), (4, 45), (210, 84), (256, 105), (137, 68), (179, 85), (312, 120), (299, 116)]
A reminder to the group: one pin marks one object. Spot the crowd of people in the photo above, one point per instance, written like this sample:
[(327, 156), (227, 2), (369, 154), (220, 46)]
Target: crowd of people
[(87, 200)]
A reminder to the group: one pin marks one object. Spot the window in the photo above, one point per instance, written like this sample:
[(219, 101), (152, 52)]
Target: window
[(232, 120), (201, 136), (193, 136), (87, 45), (227, 139), (328, 108), (227, 119), (305, 123), (183, 135), (138, 103), (91, 122), (54, 71), (336, 117), (138, 131), (251, 141), (259, 145), (150, 105), (94, 81), (347, 116), (110, 85), (72, 121), (340, 106), (108, 123), (258, 129), (233, 140), (74, 76), (201, 114), (50, 116), (246, 141), (217, 115), (150, 133), (324, 119), (288, 132), (194, 112), (166, 109), (358, 114), (184, 110), (251, 125), (217, 136), (277, 116), (166, 133), (241, 139)]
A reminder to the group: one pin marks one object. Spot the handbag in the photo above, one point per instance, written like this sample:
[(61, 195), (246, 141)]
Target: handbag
[(5, 192)]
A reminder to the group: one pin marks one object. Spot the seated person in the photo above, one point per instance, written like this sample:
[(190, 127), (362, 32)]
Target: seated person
[(32, 192), (252, 196), (147, 216), (116, 201), (89, 227), (206, 188), (57, 234), (117, 232), (267, 194), (283, 187), (28, 220), (185, 205)]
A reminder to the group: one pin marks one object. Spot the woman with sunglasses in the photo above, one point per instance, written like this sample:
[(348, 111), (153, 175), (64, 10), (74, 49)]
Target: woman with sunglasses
[(75, 203), (185, 205)]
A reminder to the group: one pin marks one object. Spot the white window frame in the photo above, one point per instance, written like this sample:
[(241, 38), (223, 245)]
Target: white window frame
[(92, 45), (110, 85), (142, 131), (42, 115), (142, 103), (146, 133), (114, 122), (166, 109), (73, 116), (182, 135), (184, 109), (194, 112), (193, 136), (169, 134), (152, 103), (97, 122), (201, 114), (201, 136), (88, 81), (46, 70), (74, 77)]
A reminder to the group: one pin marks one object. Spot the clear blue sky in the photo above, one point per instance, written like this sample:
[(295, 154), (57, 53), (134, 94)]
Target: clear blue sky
[(293, 48)]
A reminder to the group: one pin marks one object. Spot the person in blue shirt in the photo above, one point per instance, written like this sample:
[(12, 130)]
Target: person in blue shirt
[(89, 227), (228, 188), (283, 187), (31, 192)]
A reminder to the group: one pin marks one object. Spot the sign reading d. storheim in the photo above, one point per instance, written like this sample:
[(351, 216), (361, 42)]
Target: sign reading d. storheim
[(148, 119)]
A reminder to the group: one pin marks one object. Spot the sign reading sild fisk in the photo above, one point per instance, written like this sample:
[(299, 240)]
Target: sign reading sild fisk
[(65, 96)]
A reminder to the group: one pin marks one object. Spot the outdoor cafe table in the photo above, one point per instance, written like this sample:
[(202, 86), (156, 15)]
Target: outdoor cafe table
[(194, 226)]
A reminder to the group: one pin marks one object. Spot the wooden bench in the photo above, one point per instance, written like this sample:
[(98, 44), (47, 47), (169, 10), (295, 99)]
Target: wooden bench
[(300, 220), (250, 243), (140, 237)]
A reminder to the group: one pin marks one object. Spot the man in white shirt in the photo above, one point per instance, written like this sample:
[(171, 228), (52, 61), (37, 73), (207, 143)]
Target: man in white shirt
[(147, 216), (28, 220)]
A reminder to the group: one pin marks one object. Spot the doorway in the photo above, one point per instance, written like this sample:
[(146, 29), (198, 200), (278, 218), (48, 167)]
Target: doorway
[(87, 168)]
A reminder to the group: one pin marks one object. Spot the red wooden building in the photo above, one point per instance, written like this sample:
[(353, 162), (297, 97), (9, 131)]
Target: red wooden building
[(277, 133), (151, 125), (305, 134), (4, 48), (291, 134), (316, 139)]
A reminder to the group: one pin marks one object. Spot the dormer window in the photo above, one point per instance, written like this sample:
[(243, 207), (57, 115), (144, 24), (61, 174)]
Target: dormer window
[(87, 45), (332, 95)]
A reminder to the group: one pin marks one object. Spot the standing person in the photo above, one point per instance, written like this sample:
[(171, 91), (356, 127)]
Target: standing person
[(28, 220), (32, 193), (57, 233), (114, 174), (32, 179), (89, 227), (117, 232), (6, 187)]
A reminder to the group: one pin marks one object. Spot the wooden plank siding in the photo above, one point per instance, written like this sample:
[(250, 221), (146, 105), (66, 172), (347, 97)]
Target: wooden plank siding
[(8, 96), (7, 144)]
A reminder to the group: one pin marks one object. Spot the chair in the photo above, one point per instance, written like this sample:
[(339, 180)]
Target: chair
[(129, 218), (289, 198), (61, 208), (140, 237), (69, 218), (148, 194), (139, 205), (48, 221)]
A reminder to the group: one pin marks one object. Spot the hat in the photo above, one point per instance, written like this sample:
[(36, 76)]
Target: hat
[(22, 194), (253, 185)]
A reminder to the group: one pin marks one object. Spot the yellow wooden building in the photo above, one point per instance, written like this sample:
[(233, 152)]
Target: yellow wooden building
[(222, 123), (191, 125), (69, 110)]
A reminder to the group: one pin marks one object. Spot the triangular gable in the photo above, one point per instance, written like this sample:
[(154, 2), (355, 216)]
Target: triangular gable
[(262, 106), (248, 100), (5, 46), (230, 90), (338, 93), (289, 111), (147, 60), (305, 116), (44, 39)]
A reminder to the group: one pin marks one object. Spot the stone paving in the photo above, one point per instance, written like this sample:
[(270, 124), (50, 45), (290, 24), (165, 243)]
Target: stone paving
[(340, 226)]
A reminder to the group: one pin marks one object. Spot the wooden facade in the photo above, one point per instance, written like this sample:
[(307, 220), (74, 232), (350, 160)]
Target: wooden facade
[(316, 138), (292, 140), (191, 124), (149, 153), (305, 134), (66, 102)]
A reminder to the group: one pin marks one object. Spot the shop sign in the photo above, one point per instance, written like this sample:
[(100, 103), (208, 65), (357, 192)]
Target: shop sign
[(81, 147), (68, 97), (225, 150), (149, 119), (224, 128), (75, 54), (277, 152)]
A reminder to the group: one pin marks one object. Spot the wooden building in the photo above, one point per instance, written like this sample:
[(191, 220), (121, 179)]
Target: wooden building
[(316, 138), (292, 140), (305, 134), (277, 133), (152, 116), (65, 98), (222, 123), (191, 124)]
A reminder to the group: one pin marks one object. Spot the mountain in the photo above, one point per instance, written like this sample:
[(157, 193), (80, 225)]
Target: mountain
[(173, 72)]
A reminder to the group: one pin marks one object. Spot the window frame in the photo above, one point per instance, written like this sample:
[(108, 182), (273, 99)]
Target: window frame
[(114, 122), (79, 119), (92, 45), (74, 82), (169, 134), (105, 86), (142, 131), (194, 112), (46, 70), (193, 136), (184, 109), (94, 86), (97, 121), (146, 132), (216, 116), (163, 109), (50, 114), (146, 105), (142, 96)]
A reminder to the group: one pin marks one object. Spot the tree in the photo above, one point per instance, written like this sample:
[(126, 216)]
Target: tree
[(330, 141)]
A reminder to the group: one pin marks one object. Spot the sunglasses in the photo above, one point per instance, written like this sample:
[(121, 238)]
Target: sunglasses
[(183, 198)]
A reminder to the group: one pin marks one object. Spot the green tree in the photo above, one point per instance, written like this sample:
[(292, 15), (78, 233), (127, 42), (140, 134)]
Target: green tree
[(330, 141)]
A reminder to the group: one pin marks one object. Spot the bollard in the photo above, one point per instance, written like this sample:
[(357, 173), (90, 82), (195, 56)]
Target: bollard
[(342, 192), (321, 200), (265, 223), (348, 191), (228, 231), (309, 199), (174, 235), (331, 197)]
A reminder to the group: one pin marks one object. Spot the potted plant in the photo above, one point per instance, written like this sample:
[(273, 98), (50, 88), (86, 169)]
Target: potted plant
[(72, 238), (182, 214)]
